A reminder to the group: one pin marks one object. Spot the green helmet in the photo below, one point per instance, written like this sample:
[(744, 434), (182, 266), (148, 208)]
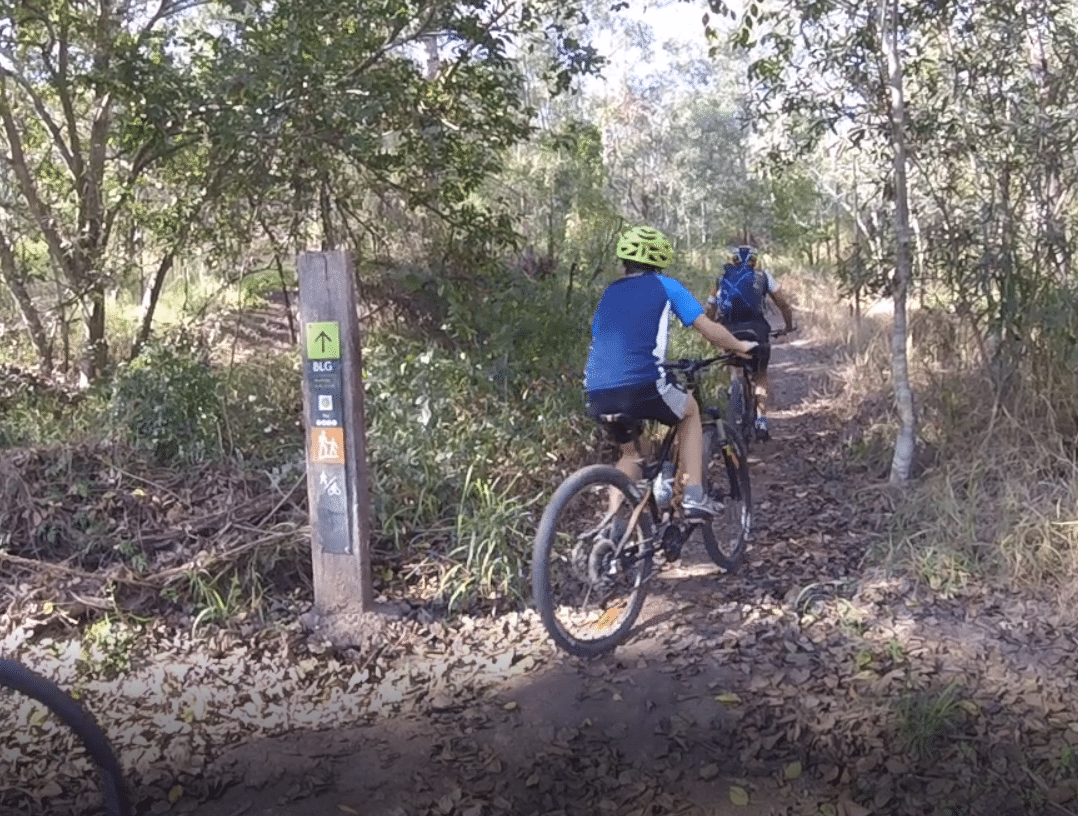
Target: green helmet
[(646, 245)]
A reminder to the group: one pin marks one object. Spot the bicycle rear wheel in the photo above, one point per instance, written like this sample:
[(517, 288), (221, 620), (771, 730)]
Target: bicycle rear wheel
[(591, 561), (19, 678), (726, 479), (739, 414)]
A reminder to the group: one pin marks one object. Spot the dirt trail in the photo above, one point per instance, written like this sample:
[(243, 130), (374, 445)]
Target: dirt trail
[(801, 685), (656, 727)]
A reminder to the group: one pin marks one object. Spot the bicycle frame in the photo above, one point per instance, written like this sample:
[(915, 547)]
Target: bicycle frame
[(652, 466)]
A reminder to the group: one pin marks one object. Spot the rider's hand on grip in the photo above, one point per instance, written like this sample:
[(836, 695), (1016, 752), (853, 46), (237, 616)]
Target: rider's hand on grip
[(750, 346)]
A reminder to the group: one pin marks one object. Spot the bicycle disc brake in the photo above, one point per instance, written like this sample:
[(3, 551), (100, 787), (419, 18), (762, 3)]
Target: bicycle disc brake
[(607, 566)]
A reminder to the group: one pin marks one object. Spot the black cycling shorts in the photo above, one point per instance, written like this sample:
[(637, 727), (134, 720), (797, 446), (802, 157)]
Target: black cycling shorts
[(760, 331), (666, 402)]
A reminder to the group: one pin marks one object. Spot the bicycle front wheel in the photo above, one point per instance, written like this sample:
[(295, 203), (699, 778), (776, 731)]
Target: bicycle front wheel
[(592, 558), (19, 678), (726, 479)]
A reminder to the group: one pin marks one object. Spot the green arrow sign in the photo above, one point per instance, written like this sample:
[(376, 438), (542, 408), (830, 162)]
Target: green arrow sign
[(324, 341)]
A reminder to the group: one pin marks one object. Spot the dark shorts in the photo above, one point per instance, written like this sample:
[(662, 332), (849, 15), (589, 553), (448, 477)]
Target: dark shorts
[(760, 331), (666, 403)]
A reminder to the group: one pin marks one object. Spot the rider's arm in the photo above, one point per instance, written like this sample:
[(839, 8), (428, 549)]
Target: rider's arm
[(712, 303), (718, 334), (785, 309)]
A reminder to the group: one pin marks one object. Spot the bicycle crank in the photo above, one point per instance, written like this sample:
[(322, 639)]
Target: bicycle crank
[(672, 541)]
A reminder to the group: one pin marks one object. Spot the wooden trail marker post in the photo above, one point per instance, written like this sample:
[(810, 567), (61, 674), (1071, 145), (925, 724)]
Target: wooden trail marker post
[(337, 484)]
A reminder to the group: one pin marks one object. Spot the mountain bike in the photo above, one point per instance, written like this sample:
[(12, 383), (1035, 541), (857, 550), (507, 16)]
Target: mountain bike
[(601, 533), (741, 401), (20, 679)]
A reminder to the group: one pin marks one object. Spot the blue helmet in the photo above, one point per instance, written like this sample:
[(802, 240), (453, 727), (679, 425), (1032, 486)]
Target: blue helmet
[(744, 254)]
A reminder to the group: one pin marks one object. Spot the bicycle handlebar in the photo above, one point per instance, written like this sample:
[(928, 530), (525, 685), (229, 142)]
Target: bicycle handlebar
[(694, 366)]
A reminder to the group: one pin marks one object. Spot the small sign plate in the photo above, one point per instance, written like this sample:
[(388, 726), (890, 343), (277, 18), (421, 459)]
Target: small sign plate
[(327, 446), (326, 410), (324, 375), (331, 533), (324, 341)]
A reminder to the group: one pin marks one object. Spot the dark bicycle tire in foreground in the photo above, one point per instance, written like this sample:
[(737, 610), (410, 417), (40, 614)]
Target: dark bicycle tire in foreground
[(20, 679)]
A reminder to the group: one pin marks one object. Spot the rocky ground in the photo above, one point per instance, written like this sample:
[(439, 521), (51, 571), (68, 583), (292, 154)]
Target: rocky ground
[(809, 683)]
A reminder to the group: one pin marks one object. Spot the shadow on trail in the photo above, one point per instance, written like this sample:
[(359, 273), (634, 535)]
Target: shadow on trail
[(793, 711)]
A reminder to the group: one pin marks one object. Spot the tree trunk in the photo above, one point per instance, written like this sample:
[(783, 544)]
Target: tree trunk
[(96, 354), (38, 336), (150, 295), (905, 442), (325, 210)]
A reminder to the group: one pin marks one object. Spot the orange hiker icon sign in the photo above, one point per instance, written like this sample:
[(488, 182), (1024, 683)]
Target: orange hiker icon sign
[(327, 446)]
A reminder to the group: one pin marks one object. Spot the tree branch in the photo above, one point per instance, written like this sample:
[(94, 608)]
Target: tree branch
[(40, 211), (68, 155)]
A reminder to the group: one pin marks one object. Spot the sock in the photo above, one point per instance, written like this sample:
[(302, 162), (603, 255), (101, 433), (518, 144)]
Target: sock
[(694, 493)]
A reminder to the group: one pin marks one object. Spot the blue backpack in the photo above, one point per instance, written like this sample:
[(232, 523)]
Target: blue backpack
[(740, 295)]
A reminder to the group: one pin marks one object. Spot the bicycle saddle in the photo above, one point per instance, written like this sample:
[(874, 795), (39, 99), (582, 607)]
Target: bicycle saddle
[(631, 425)]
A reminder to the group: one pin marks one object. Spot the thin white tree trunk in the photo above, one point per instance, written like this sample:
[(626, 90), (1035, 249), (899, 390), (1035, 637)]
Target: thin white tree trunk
[(906, 441)]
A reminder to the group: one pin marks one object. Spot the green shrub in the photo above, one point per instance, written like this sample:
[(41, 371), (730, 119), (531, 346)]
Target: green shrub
[(35, 411), (255, 286), (465, 439), (166, 402), (262, 405)]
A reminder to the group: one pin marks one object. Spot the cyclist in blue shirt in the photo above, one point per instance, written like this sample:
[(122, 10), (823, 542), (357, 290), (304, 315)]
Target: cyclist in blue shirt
[(624, 372)]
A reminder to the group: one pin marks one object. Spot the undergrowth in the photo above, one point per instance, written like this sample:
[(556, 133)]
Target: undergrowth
[(469, 427), (466, 435), (995, 493)]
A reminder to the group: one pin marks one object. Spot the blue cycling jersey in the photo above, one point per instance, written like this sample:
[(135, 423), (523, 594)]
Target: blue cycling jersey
[(629, 330)]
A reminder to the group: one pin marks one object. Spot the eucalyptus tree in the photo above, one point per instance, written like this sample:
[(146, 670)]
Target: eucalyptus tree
[(357, 124), (85, 114), (837, 66), (976, 103), (554, 185), (996, 152), (676, 136)]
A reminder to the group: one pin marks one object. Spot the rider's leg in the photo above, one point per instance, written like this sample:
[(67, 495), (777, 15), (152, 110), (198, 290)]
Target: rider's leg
[(632, 457), (631, 463), (759, 381), (691, 443), (690, 436)]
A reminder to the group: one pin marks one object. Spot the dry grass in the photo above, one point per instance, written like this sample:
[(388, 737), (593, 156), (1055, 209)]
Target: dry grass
[(1003, 499), (996, 493)]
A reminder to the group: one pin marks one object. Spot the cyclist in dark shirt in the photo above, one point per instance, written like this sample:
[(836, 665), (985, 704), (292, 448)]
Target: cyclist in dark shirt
[(624, 372), (747, 312)]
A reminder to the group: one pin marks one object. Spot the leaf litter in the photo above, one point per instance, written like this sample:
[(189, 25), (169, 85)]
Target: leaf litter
[(805, 684)]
